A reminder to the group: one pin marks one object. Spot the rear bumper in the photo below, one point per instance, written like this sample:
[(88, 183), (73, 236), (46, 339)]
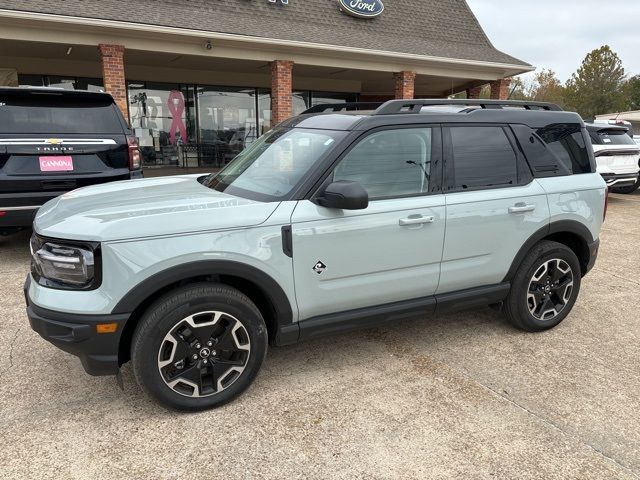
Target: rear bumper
[(76, 334), (22, 217), (21, 208), (620, 179)]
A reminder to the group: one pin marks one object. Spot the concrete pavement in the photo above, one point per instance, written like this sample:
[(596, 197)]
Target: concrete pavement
[(459, 396)]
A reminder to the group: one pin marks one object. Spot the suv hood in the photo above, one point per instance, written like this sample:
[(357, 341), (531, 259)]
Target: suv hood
[(146, 208)]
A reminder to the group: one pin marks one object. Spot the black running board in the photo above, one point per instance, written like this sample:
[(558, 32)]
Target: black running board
[(370, 317)]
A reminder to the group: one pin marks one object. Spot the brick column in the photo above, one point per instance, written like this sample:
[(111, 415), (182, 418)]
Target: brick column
[(474, 93), (281, 101), (404, 85), (113, 75), (500, 89)]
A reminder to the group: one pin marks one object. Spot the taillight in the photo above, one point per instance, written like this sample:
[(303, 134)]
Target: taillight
[(606, 203), (134, 153)]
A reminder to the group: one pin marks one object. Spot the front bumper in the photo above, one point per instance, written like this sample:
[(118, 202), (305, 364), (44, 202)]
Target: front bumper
[(77, 334), (620, 179)]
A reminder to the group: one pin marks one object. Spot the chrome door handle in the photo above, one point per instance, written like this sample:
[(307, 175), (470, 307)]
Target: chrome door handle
[(522, 208), (417, 220)]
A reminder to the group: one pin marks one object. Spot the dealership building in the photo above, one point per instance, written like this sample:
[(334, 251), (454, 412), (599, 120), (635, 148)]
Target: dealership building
[(201, 79)]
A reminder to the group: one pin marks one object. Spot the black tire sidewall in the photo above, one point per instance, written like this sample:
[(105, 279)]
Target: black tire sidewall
[(164, 314), (541, 253)]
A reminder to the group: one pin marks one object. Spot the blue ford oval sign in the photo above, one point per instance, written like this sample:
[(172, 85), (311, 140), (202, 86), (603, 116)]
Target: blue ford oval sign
[(362, 8)]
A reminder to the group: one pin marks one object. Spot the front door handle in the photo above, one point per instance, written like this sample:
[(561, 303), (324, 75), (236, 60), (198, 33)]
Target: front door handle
[(522, 208), (415, 220)]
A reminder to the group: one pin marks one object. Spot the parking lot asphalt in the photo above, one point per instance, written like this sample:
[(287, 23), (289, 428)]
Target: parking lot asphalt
[(458, 396)]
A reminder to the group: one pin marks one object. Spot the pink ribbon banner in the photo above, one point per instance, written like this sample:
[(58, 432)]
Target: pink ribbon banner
[(176, 107)]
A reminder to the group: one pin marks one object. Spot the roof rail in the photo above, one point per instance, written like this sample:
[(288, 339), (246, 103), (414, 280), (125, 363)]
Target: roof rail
[(415, 106), (339, 107)]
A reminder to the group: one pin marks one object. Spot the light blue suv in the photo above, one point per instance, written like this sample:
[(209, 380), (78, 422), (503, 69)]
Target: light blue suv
[(334, 220)]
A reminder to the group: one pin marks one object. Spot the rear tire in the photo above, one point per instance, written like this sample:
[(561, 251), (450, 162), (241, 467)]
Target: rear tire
[(544, 288), (199, 346)]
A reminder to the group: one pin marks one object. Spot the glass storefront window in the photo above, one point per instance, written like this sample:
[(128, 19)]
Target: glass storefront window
[(318, 98), (161, 115), (264, 111), (300, 102), (227, 122), (31, 80), (69, 83)]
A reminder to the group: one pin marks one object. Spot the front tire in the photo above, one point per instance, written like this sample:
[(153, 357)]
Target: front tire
[(199, 346), (544, 288)]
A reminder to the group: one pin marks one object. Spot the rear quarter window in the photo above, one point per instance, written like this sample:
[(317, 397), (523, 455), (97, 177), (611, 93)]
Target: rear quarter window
[(569, 144), (58, 114)]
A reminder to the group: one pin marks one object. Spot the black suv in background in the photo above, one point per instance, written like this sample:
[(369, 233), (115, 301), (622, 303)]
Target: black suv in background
[(53, 141)]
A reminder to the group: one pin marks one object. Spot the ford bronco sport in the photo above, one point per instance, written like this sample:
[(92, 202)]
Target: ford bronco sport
[(329, 222), (53, 141)]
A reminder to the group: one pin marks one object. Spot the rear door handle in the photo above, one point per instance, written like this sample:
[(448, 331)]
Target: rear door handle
[(415, 220), (522, 208)]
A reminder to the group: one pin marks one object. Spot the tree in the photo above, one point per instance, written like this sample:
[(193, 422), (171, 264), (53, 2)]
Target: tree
[(520, 88), (632, 89), (597, 86), (547, 88)]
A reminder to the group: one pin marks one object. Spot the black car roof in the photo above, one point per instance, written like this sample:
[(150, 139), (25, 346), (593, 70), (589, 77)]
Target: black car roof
[(407, 112), (26, 91)]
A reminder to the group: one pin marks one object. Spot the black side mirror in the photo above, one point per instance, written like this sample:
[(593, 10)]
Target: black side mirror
[(345, 195)]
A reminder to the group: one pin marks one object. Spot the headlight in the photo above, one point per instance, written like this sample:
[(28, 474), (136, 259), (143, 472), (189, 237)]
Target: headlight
[(64, 264)]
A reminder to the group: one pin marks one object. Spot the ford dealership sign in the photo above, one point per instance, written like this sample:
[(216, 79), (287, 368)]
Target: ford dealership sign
[(362, 8)]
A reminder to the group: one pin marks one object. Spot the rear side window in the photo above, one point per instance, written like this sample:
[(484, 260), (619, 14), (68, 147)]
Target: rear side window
[(567, 143), (482, 157), (611, 137), (42, 113)]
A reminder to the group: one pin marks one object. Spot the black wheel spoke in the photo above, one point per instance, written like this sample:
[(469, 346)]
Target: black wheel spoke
[(562, 283), (190, 373), (230, 362), (199, 354), (225, 341), (548, 289)]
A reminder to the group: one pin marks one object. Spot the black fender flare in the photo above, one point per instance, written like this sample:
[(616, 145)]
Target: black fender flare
[(156, 282), (560, 226)]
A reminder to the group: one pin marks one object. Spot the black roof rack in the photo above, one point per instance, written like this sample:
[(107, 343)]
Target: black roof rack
[(339, 107), (415, 106)]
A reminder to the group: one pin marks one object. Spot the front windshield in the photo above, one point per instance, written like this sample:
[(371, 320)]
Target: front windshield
[(275, 164)]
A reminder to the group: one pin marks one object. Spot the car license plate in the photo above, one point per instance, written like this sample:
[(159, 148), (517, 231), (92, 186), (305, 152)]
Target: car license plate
[(62, 163)]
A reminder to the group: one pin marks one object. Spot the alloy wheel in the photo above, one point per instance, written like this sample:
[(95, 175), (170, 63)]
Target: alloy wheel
[(204, 353), (550, 289)]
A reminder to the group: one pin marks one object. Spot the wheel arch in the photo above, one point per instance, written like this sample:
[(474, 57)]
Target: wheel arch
[(260, 287), (571, 233)]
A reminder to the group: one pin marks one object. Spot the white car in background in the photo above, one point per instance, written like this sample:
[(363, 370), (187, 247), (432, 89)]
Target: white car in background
[(617, 156)]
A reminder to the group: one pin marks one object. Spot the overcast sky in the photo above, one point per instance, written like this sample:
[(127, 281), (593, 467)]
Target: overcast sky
[(558, 34)]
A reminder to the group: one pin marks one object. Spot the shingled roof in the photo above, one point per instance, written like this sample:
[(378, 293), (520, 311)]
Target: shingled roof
[(440, 28)]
